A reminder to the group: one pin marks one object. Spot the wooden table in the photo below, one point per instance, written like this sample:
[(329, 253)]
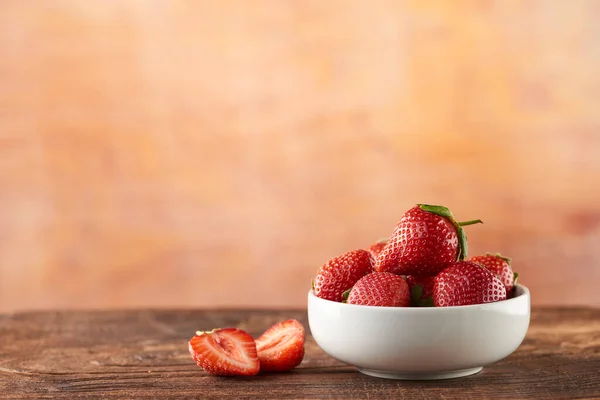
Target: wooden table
[(143, 354)]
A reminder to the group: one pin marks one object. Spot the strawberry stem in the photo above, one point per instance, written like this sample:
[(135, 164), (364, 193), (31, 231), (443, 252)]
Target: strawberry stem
[(471, 222)]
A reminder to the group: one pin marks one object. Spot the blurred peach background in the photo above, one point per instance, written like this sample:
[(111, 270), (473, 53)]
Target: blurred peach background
[(216, 153)]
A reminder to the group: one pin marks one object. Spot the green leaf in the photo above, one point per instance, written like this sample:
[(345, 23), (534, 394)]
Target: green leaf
[(463, 248), (507, 259), (462, 237), (437, 210), (345, 295), (415, 293), (515, 277), (426, 302)]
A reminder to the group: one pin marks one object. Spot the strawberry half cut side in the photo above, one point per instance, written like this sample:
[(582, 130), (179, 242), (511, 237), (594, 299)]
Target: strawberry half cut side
[(281, 347), (225, 352)]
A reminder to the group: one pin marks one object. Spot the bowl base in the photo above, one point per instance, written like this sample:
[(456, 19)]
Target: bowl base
[(420, 376)]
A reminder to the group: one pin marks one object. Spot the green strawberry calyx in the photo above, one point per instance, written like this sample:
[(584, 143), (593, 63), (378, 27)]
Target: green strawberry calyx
[(426, 302), (200, 333), (345, 295), (415, 293), (437, 210), (445, 212), (507, 259), (417, 299)]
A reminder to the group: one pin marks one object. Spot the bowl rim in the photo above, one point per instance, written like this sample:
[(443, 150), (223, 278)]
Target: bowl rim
[(524, 293)]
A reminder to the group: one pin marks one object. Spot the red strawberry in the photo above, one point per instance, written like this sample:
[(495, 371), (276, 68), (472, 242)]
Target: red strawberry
[(281, 347), (376, 248), (341, 273), (500, 266), (426, 239), (464, 283), (225, 352), (380, 289), (421, 290)]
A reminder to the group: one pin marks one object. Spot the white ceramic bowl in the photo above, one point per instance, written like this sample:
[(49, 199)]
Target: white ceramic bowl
[(420, 343)]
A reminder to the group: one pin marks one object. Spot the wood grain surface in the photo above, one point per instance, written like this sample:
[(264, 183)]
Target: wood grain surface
[(216, 153), (143, 354)]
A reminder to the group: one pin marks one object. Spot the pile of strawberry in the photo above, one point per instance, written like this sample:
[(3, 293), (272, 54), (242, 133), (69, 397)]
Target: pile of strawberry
[(423, 263)]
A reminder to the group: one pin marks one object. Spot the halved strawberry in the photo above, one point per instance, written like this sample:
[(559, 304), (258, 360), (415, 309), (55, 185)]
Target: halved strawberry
[(225, 352), (281, 347)]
